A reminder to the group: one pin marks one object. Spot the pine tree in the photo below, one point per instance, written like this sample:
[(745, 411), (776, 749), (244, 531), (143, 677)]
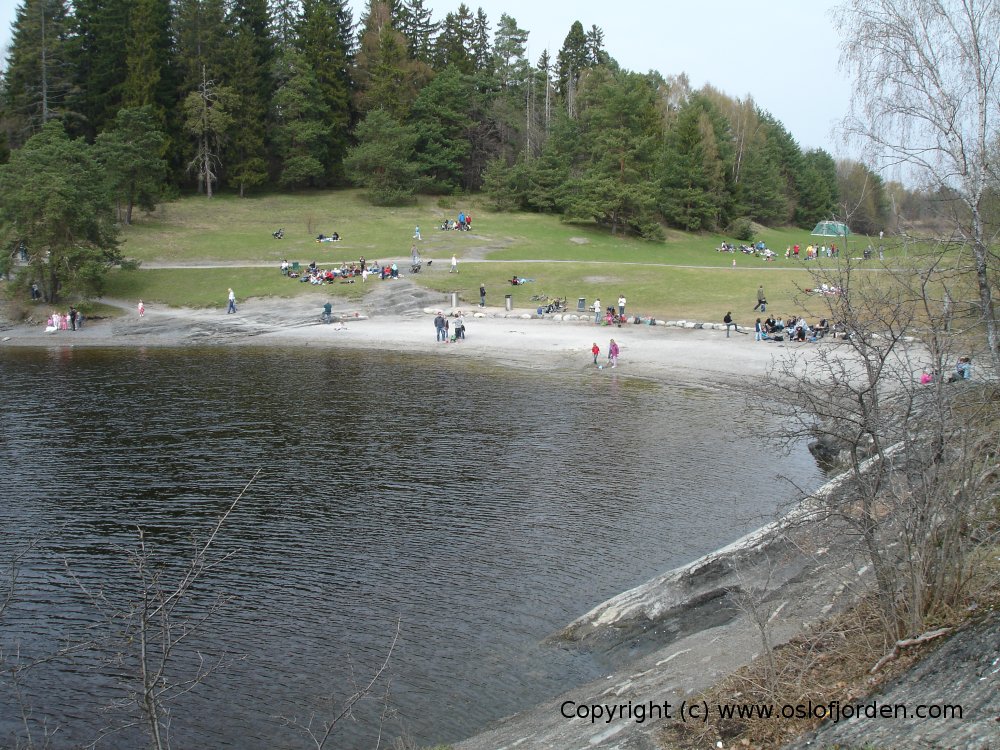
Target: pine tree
[(38, 77), (442, 121), (208, 118), (54, 198), (482, 55), (383, 161), (817, 181), (130, 151)]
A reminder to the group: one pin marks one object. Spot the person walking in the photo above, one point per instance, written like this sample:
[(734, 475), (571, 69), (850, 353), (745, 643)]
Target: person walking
[(232, 302), (728, 320), (142, 309), (454, 265), (597, 312), (621, 306), (758, 331), (761, 299), (613, 353), (416, 233), (595, 350), (482, 295)]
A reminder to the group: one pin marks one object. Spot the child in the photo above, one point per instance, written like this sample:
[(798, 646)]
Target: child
[(595, 350)]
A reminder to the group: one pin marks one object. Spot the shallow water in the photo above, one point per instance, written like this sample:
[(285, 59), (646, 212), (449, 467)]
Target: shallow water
[(479, 509)]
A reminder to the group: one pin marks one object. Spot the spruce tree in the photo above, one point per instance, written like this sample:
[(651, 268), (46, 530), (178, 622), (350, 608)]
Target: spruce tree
[(38, 76), (324, 34)]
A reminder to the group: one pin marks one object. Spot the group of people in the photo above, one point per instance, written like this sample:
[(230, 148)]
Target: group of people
[(447, 332), (796, 329), (313, 274), (71, 320), (462, 224), (335, 237), (610, 316), (758, 249), (613, 352), (813, 251), (963, 371)]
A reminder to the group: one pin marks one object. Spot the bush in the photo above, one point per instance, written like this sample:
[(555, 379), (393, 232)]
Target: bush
[(741, 229)]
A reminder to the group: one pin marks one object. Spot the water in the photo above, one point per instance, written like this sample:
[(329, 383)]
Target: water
[(476, 510)]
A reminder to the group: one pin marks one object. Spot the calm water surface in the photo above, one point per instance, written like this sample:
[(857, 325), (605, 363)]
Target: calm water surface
[(480, 509)]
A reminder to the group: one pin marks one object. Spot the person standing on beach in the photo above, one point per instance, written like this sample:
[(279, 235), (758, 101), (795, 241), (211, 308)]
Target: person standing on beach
[(728, 320), (232, 302), (142, 309), (72, 318), (439, 327), (613, 353), (482, 295), (595, 350), (621, 305), (761, 300), (597, 312)]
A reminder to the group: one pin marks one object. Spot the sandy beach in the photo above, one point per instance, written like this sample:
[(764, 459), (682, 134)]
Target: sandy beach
[(398, 316)]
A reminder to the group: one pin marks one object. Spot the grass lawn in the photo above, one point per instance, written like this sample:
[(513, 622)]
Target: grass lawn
[(682, 277)]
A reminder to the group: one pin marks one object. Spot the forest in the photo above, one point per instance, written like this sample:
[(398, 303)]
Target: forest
[(252, 95)]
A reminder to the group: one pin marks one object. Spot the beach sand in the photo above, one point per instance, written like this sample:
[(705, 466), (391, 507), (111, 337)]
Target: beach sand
[(663, 353)]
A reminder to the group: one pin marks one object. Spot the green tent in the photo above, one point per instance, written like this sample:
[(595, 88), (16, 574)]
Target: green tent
[(831, 229)]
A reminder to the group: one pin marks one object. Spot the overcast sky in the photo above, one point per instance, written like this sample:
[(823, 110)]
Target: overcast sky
[(782, 53)]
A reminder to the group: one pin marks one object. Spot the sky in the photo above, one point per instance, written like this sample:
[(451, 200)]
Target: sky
[(784, 53)]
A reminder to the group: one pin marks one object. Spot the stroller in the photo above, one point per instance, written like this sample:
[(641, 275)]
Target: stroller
[(415, 267), (279, 235)]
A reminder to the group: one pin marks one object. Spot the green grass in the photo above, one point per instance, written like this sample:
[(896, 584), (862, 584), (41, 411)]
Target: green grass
[(682, 277)]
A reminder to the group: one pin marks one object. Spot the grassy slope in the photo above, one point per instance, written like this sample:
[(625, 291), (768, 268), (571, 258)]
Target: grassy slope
[(681, 278)]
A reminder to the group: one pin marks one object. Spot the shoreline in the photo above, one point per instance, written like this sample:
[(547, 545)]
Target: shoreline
[(668, 354)]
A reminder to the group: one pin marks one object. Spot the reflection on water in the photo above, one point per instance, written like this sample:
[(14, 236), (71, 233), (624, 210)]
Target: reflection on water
[(481, 510)]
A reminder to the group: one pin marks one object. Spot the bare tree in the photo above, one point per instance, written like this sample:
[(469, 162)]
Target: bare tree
[(207, 118), (147, 633), (926, 98), (921, 459)]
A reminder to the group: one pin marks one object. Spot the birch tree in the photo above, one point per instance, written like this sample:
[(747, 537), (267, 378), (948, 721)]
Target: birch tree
[(926, 100)]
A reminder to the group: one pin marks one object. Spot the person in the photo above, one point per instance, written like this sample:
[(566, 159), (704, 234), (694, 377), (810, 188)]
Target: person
[(72, 318), (621, 305), (758, 331), (761, 300), (597, 312), (364, 275), (482, 295), (459, 326), (414, 255), (926, 378), (284, 267), (728, 320), (142, 309), (327, 312), (613, 353), (439, 326), (232, 302), (595, 350), (963, 368), (35, 293), (416, 233), (454, 265), (394, 271)]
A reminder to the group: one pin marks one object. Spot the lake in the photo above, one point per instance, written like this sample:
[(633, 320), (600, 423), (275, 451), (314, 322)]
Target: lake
[(477, 509)]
